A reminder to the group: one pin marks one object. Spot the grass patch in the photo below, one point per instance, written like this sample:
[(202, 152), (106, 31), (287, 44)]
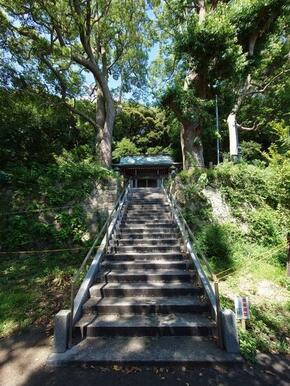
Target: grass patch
[(33, 288)]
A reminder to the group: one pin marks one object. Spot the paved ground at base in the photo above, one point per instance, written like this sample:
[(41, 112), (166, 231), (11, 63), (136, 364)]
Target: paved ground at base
[(23, 356)]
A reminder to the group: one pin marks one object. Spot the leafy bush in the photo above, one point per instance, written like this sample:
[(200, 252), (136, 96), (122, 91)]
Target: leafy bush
[(63, 183), (248, 345), (251, 150), (266, 226), (215, 240), (123, 148)]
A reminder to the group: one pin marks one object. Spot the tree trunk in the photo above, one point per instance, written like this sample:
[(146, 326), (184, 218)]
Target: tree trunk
[(233, 135), (191, 145), (105, 115), (190, 138)]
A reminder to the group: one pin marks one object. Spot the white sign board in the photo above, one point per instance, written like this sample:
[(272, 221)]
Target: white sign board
[(242, 307)]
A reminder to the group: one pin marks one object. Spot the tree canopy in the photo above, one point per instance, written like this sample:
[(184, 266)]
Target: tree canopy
[(66, 43)]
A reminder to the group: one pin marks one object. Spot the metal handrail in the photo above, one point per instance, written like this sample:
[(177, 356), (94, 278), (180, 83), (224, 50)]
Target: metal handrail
[(102, 232), (215, 292), (198, 251)]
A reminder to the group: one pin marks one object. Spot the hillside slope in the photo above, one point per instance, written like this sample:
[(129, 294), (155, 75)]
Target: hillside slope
[(240, 217)]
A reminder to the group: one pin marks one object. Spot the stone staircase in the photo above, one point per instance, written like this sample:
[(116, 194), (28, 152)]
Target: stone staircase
[(147, 304)]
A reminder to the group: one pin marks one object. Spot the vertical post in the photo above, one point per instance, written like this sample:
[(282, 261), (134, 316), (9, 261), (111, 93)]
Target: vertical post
[(288, 257), (243, 324), (218, 314), (217, 130), (107, 231)]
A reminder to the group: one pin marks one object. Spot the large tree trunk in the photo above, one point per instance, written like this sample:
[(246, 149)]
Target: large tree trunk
[(190, 138), (191, 145), (105, 116)]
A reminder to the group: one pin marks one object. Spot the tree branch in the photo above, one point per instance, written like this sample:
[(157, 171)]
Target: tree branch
[(262, 90), (83, 115), (57, 74), (118, 56), (253, 128), (103, 13)]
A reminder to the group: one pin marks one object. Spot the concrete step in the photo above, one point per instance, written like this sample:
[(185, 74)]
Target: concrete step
[(145, 305), (155, 351), (154, 288), (146, 325), (151, 265), (157, 226), (147, 241), (144, 212), (144, 257), (146, 235), (147, 248), (147, 217), (150, 276), (143, 231), (148, 206), (141, 221), (147, 201), (148, 197)]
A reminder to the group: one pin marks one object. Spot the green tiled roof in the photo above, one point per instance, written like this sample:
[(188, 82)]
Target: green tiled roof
[(147, 160)]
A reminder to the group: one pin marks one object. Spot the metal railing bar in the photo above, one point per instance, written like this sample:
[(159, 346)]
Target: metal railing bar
[(103, 230), (198, 251), (186, 235)]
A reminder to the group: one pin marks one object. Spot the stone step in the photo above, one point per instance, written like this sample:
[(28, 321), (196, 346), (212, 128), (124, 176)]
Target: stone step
[(148, 197), (154, 288), (151, 265), (145, 305), (146, 235), (166, 276), (147, 216), (147, 242), (144, 257), (145, 232), (155, 351), (160, 226), (151, 198), (147, 248), (146, 325), (145, 212), (147, 206), (156, 221)]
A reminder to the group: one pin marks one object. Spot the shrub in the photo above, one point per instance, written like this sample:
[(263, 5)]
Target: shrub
[(251, 150), (215, 240), (266, 226), (125, 147)]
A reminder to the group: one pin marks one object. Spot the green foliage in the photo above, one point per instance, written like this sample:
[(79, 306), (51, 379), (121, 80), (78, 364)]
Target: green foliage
[(63, 183), (149, 129), (267, 330), (215, 240), (34, 125), (250, 150), (248, 345), (123, 33), (212, 44), (123, 148), (267, 226), (34, 287)]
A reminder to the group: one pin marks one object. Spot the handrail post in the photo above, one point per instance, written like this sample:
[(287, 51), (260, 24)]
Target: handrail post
[(218, 314), (70, 338)]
